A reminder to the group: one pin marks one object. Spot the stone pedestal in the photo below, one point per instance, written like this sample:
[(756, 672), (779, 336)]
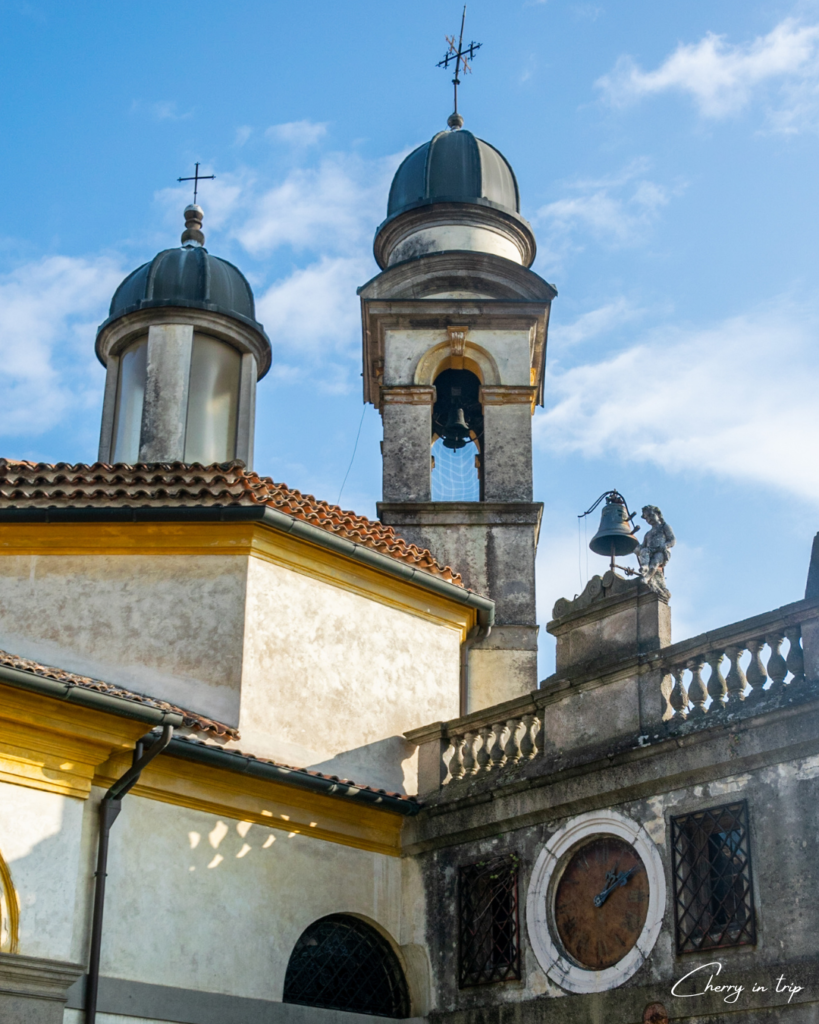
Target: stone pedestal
[(34, 991), (613, 618)]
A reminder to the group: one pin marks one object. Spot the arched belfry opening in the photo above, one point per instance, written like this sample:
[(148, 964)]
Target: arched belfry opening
[(454, 335), (342, 963), (457, 437)]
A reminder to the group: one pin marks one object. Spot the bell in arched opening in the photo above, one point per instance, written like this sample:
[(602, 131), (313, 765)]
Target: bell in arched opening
[(457, 437)]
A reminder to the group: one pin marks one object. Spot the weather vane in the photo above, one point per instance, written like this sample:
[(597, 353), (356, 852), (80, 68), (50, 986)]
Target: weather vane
[(196, 177), (461, 55)]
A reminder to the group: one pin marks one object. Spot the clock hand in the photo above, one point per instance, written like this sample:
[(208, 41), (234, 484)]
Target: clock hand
[(614, 882)]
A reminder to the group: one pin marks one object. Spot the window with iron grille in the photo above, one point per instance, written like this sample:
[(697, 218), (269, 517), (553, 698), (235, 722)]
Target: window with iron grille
[(342, 963), (713, 895), (489, 948)]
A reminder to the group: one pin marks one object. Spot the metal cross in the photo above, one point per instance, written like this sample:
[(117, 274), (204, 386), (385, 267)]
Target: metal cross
[(196, 177), (461, 55)]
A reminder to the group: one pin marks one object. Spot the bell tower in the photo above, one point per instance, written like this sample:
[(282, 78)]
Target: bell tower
[(455, 330)]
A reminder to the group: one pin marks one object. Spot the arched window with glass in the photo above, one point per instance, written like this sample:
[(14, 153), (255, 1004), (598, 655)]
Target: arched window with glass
[(457, 437), (342, 963)]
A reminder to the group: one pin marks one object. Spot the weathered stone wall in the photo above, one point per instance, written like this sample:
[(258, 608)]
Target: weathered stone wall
[(770, 760)]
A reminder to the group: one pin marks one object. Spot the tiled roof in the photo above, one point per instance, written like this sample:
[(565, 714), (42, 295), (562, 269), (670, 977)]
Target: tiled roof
[(302, 771), (29, 485), (192, 720)]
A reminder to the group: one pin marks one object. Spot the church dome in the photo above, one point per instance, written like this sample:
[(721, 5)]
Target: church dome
[(189, 277), (454, 167), (456, 193)]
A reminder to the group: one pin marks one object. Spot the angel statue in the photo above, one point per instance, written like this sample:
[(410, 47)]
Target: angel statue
[(654, 552)]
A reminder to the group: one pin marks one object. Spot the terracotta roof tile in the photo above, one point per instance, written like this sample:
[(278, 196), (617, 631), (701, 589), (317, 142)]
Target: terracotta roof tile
[(191, 720), (27, 485), (301, 771)]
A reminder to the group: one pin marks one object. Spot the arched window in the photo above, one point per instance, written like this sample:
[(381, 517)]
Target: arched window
[(457, 437), (342, 963), (8, 911)]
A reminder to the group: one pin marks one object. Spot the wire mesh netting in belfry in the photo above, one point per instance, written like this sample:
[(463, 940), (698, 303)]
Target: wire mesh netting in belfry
[(455, 473)]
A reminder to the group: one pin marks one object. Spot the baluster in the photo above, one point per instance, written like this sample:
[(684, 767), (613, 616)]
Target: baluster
[(468, 754), (482, 756), (716, 681), (735, 681), (512, 748), (496, 747), (697, 690), (796, 659), (756, 674), (777, 667), (678, 699), (456, 765), (527, 741), (540, 733)]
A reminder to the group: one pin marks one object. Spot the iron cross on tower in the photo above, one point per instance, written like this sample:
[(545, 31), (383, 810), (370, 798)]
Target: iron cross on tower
[(196, 177), (461, 55)]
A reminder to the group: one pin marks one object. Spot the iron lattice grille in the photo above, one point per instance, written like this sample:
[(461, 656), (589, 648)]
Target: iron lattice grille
[(489, 948), (713, 896), (341, 963)]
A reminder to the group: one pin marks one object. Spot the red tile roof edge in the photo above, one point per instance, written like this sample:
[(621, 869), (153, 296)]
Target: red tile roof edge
[(27, 485)]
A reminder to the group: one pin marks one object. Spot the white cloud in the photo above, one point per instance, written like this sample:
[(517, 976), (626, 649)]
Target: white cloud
[(243, 133), (594, 323), (722, 77), (297, 133), (728, 400), (315, 307), (329, 207), (49, 311), (617, 210)]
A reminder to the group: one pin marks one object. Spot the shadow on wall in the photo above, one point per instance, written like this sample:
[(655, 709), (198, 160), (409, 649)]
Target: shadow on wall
[(390, 764)]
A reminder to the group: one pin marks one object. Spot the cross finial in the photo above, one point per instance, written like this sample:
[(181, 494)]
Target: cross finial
[(461, 55), (196, 177)]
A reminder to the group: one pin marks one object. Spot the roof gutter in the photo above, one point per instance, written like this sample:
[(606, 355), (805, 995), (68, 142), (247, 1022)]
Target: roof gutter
[(276, 520), (233, 761), (214, 757), (90, 699)]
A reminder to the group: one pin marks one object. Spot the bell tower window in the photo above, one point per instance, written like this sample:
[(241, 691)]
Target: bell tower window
[(457, 437), (213, 400), (133, 368)]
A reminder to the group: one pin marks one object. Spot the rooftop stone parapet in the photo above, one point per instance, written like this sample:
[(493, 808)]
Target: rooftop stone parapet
[(613, 617)]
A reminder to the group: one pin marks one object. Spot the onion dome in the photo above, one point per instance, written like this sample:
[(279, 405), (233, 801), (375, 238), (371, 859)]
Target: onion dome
[(454, 192), (189, 278)]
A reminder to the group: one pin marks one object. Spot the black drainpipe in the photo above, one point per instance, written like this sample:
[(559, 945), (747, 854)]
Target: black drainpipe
[(475, 635), (110, 806)]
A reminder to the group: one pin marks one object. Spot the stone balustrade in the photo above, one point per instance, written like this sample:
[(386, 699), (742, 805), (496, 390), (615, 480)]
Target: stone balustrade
[(737, 671), (748, 667), (485, 747)]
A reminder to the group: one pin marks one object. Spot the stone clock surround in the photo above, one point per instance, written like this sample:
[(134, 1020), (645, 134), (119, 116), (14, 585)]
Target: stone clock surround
[(539, 916)]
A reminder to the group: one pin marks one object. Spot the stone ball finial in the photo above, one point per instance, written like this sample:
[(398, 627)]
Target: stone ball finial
[(455, 121), (193, 235)]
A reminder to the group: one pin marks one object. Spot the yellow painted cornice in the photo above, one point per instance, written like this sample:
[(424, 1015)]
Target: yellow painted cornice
[(48, 745), (237, 539)]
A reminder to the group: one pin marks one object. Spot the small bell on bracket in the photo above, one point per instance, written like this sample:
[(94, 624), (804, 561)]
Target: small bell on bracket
[(615, 536), (456, 431)]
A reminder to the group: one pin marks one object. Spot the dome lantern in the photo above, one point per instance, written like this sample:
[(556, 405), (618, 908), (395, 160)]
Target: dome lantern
[(455, 192), (183, 352)]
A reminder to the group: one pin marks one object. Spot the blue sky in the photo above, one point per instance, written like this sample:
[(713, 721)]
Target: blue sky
[(667, 158)]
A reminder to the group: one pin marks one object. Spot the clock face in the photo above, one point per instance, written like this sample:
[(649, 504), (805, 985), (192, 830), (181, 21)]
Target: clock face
[(601, 902)]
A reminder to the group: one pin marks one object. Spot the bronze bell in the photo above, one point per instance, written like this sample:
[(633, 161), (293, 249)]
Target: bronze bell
[(616, 535), (456, 431)]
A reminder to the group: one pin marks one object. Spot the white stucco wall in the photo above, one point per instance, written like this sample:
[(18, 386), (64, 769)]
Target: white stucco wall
[(41, 842), (332, 679), (170, 625), (212, 904)]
